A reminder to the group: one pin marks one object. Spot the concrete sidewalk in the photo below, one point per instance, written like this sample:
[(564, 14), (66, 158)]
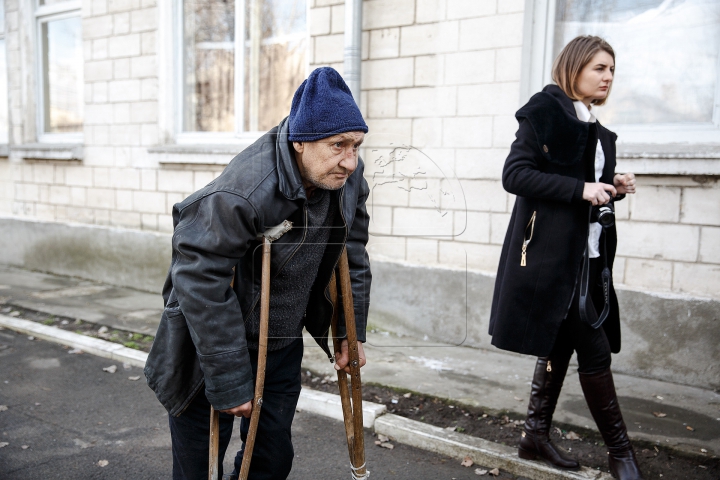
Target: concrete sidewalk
[(491, 379)]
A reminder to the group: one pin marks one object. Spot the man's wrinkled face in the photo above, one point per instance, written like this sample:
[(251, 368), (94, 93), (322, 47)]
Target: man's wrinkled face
[(328, 163)]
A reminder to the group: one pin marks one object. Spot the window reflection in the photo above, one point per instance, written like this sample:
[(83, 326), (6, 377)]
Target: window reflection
[(666, 52), (62, 75)]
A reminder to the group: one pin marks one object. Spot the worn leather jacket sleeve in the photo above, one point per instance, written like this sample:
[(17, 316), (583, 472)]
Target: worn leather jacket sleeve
[(211, 236), (359, 262), (523, 176)]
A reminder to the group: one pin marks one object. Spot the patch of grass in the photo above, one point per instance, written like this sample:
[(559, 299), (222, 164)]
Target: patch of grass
[(137, 336), (132, 344), (49, 321), (148, 338)]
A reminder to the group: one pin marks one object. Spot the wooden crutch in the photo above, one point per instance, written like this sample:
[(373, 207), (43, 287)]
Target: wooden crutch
[(268, 237), (352, 399)]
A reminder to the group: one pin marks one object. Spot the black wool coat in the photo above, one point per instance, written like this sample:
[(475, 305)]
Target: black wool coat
[(549, 162)]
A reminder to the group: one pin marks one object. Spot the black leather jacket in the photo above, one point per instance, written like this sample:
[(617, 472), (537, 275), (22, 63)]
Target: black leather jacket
[(201, 337)]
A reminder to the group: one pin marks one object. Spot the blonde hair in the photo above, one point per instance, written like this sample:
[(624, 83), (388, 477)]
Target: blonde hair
[(573, 58)]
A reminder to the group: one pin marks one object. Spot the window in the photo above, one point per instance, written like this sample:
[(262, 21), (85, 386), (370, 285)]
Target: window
[(4, 126), (61, 99), (240, 63), (667, 84)]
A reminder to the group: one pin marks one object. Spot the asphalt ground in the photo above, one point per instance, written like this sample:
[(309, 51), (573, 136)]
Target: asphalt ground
[(66, 417)]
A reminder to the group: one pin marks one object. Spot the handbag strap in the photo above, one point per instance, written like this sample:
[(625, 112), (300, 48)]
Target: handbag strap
[(584, 298)]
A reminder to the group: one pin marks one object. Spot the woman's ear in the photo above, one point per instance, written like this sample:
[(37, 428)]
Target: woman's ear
[(299, 147)]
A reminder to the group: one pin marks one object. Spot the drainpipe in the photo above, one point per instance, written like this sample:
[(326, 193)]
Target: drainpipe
[(353, 47)]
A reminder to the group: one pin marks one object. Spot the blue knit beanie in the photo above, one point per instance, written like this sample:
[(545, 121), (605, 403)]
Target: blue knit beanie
[(322, 107)]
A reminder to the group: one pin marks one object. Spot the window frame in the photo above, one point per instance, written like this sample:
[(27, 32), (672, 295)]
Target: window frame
[(238, 135), (44, 14), (538, 37)]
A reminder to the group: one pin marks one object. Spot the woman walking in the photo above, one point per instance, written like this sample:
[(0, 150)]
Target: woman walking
[(553, 295)]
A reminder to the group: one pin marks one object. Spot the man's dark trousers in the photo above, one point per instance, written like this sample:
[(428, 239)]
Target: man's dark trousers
[(273, 452)]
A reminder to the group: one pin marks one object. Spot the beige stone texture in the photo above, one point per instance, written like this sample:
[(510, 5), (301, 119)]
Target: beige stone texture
[(700, 205), (427, 132), (428, 11), (175, 180), (427, 102), (658, 204), (697, 279), (474, 256), (485, 195), (382, 247), (421, 251), (475, 227), (498, 227), (381, 103), (709, 245), (422, 222), (658, 241), (491, 32), (508, 64), (467, 132), (466, 68), (429, 70), (429, 38), (388, 73), (648, 274), (387, 13), (319, 21), (488, 99), (385, 43), (381, 219), (480, 163), (457, 9), (329, 48), (337, 19)]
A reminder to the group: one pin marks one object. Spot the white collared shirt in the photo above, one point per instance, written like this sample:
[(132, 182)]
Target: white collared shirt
[(584, 114)]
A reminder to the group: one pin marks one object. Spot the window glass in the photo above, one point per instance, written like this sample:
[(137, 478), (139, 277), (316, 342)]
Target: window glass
[(275, 65), (667, 55), (62, 75)]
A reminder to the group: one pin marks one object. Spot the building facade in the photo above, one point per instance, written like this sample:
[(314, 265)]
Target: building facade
[(111, 111)]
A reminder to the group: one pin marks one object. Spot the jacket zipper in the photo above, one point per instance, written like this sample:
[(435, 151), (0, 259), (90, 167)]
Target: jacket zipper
[(526, 240), (549, 366)]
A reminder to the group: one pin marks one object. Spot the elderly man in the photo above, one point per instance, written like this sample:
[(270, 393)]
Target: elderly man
[(307, 171)]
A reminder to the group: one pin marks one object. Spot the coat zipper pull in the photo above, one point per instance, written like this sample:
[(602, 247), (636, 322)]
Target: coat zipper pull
[(549, 366), (523, 259)]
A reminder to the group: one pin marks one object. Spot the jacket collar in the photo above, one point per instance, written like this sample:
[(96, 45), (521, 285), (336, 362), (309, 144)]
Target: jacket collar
[(561, 97), (290, 182)]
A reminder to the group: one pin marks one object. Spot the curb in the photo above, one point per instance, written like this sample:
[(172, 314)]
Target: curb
[(403, 430)]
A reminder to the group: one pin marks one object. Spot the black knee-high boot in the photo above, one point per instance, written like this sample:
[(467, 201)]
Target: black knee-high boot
[(599, 390), (535, 441)]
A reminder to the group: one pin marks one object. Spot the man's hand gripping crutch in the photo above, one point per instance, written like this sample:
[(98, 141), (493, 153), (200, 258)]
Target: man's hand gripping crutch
[(267, 238), (349, 357)]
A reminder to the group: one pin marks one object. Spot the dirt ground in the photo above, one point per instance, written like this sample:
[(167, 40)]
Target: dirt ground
[(585, 445)]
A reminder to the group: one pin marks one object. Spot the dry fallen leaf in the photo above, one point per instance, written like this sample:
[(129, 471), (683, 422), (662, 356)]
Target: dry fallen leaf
[(377, 442), (480, 471), (387, 445), (137, 377), (690, 428), (660, 414), (495, 472), (659, 397), (383, 438), (75, 351), (703, 450), (103, 463), (110, 369), (31, 337), (572, 436), (4, 444), (3, 408), (407, 395), (25, 447), (467, 462)]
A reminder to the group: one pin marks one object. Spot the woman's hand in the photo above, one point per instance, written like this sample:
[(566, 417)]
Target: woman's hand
[(624, 182), (597, 193)]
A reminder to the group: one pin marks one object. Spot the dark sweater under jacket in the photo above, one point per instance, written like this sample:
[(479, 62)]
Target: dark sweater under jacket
[(548, 165)]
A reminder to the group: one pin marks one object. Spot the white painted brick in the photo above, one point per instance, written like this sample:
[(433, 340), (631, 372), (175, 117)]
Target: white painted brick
[(488, 99), (329, 48), (144, 20), (476, 226), (43, 192), (710, 245), (125, 219), (124, 90), (123, 5), (149, 134), (428, 11), (101, 135), (425, 192), (380, 220), (648, 274), (386, 248), (457, 9), (319, 21), (124, 135), (385, 132), (385, 43), (121, 23), (365, 48), (121, 68), (508, 62), (429, 38), (42, 173), (658, 241), (173, 199), (388, 191), (101, 177), (148, 43), (78, 196), (475, 256), (697, 279), (165, 223), (124, 46), (422, 222), (466, 68), (427, 132), (325, 3), (121, 113), (421, 251), (659, 204), (491, 32), (79, 214), (622, 209), (100, 92), (148, 179), (201, 179), (148, 3), (149, 202), (125, 178), (381, 103), (700, 206), (485, 195), (101, 197), (99, 7), (389, 73), (149, 89), (100, 70), (467, 132), (98, 155), (79, 176), (429, 70), (504, 128), (427, 102), (338, 19), (45, 212), (124, 199), (99, 49), (102, 217), (149, 221), (387, 13), (480, 163), (97, 27), (175, 181), (59, 195), (511, 6), (498, 227), (145, 66)]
